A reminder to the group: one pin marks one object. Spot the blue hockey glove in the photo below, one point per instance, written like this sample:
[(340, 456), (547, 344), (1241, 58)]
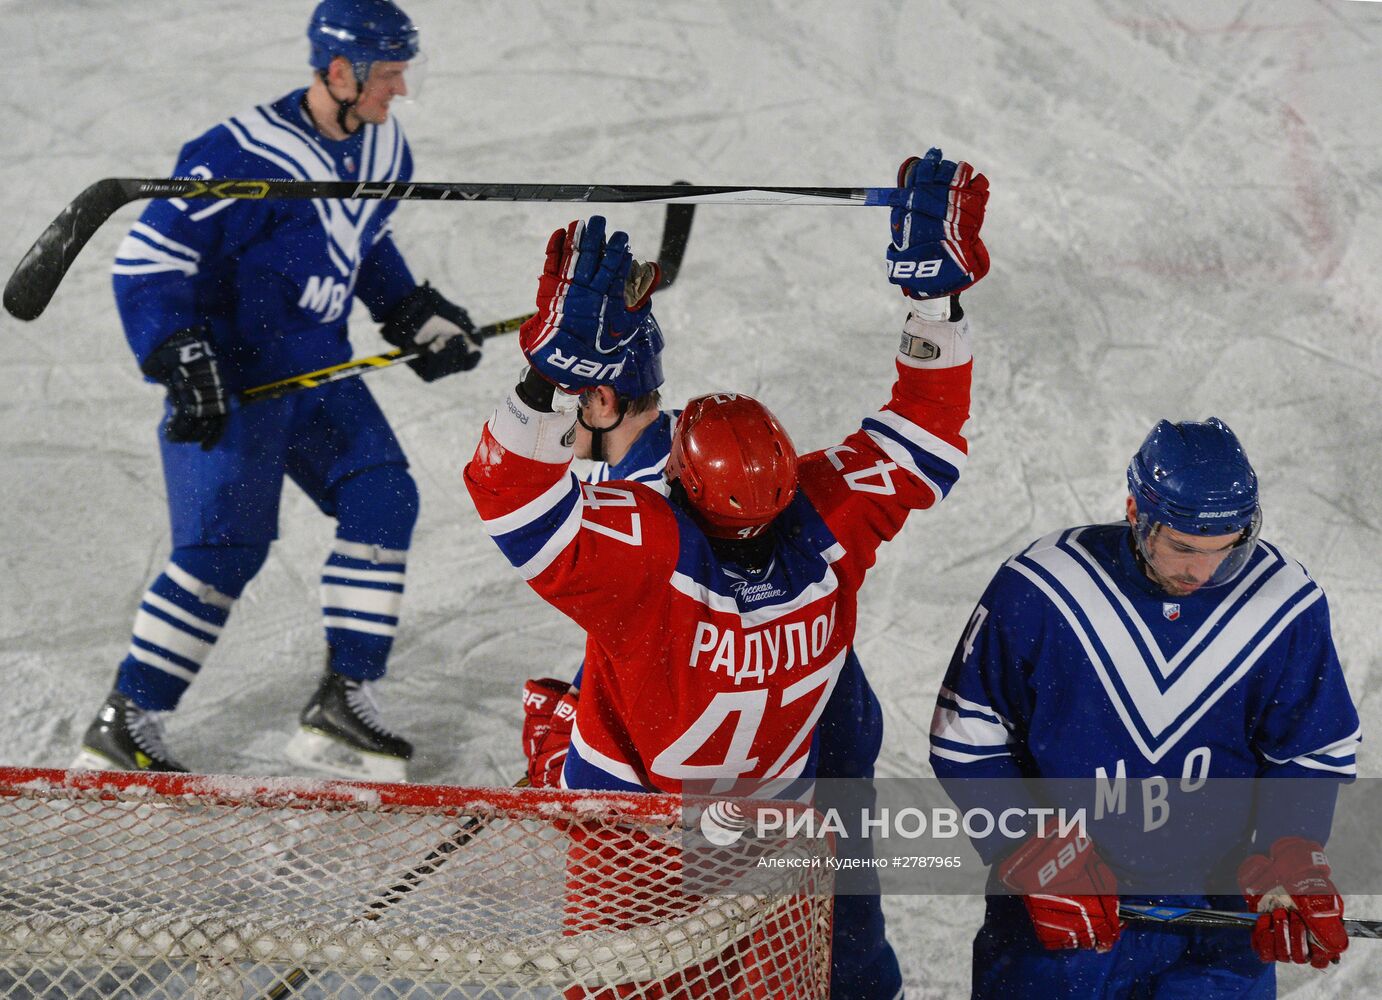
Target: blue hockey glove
[(438, 329), (186, 365), (591, 298), (936, 249)]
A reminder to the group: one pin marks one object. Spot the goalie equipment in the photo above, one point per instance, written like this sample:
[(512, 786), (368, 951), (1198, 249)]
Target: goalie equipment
[(341, 734), (736, 463), (125, 737)]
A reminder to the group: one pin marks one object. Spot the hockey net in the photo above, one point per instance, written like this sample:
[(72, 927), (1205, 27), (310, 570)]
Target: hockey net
[(158, 885)]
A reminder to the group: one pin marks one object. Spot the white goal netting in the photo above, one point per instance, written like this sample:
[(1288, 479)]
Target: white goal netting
[(139, 885)]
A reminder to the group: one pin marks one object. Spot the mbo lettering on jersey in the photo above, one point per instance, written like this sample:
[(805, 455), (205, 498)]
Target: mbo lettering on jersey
[(327, 296)]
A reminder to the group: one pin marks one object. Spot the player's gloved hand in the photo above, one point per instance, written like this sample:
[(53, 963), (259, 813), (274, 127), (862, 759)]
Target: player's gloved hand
[(438, 329), (936, 249), (590, 300), (549, 712), (187, 367), (1302, 913), (1071, 895)]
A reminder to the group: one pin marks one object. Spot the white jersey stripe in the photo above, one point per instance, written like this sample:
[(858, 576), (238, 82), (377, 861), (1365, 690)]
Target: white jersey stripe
[(535, 508), (134, 256), (366, 552), (361, 625), (203, 592), (555, 544), (364, 575), (703, 595), (186, 617), (949, 724), (212, 209), (1200, 685), (922, 439), (152, 659), (945, 753), (595, 758), (366, 599), (974, 706), (119, 268), (173, 246), (158, 632)]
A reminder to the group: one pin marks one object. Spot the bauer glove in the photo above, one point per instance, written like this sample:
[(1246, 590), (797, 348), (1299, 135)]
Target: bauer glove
[(549, 712), (591, 298), (437, 329), (1071, 895), (186, 365), (936, 249), (1302, 913)]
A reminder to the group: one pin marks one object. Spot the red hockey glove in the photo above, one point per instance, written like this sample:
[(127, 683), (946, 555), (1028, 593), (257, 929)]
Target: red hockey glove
[(1070, 893), (1302, 914), (549, 711), (591, 298), (938, 212)]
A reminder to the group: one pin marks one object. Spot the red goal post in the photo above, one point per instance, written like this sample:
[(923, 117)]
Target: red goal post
[(173, 885)]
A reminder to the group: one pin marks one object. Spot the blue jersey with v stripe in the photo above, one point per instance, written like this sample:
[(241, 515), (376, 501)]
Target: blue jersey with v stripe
[(1075, 665), (273, 279)]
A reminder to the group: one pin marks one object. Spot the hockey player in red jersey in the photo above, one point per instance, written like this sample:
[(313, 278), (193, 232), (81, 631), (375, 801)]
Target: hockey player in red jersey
[(718, 618)]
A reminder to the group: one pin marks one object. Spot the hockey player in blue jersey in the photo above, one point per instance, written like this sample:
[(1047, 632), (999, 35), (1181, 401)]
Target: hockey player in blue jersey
[(1175, 646), (220, 296)]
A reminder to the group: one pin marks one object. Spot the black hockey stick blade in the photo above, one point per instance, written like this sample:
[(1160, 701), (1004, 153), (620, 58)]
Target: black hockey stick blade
[(676, 231), (38, 275), (35, 280), (1226, 918)]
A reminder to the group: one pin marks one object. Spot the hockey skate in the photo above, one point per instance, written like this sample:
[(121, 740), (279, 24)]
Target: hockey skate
[(341, 734), (124, 737)]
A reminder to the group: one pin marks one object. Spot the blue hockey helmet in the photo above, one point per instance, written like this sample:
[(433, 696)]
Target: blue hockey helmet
[(642, 371), (1195, 477), (364, 31)]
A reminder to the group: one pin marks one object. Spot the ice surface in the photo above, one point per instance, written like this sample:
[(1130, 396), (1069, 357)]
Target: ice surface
[(1185, 204)]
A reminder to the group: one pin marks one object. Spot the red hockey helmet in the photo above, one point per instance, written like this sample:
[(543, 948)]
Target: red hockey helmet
[(735, 462)]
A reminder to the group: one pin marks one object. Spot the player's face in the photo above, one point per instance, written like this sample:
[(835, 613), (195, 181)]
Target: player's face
[(1181, 563), (385, 82)]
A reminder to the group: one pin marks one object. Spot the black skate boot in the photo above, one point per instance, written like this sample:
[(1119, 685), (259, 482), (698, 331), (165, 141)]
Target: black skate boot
[(125, 737), (341, 734)]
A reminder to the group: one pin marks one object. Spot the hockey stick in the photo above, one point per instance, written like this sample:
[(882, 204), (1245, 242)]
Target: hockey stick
[(676, 231), (359, 366), (1226, 918), (36, 279), (470, 828)]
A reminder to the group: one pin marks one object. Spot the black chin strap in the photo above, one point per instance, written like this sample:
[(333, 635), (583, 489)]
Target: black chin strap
[(343, 107), (597, 434)]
